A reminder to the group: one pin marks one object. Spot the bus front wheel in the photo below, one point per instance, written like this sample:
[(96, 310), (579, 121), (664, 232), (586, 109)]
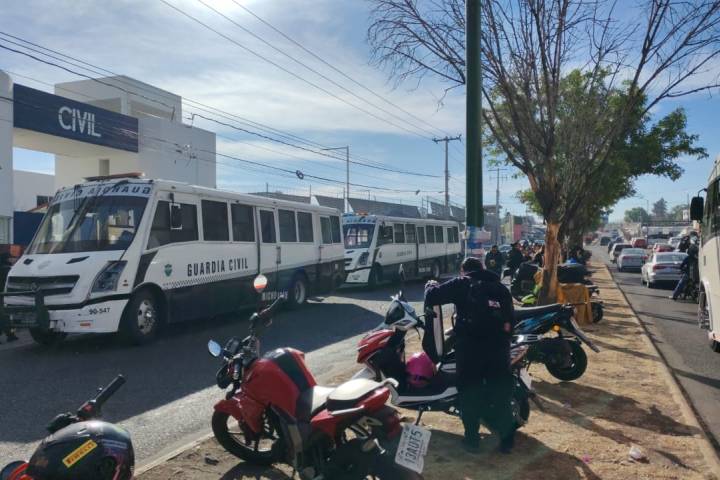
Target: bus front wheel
[(141, 319), (297, 295), (46, 338)]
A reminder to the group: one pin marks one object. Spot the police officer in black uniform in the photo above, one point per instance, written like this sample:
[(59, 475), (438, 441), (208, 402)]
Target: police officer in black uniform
[(483, 329)]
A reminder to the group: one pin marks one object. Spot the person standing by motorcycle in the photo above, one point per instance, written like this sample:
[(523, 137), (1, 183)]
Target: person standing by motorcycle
[(483, 327), (515, 258), (494, 261), (689, 267)]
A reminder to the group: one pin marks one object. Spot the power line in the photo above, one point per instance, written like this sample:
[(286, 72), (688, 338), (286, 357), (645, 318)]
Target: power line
[(367, 163), (286, 70)]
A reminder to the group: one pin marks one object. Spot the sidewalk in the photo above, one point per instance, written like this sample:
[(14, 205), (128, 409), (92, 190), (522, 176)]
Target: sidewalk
[(625, 398)]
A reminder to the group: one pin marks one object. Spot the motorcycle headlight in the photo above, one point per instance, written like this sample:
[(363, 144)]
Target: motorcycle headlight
[(362, 260), (108, 278)]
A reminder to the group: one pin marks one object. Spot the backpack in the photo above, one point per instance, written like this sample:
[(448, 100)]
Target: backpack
[(484, 310)]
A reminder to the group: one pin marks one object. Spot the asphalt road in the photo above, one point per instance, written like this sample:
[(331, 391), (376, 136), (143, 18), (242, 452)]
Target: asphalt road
[(673, 328), (170, 390)]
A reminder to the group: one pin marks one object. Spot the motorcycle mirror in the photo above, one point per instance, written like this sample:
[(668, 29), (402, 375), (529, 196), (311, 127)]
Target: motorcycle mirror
[(260, 283), (214, 348)]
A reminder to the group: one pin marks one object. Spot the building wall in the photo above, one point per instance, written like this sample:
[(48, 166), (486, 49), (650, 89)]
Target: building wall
[(30, 185), (6, 159)]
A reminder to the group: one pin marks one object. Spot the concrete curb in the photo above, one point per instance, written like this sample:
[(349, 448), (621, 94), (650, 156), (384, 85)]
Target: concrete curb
[(688, 412), (169, 456)]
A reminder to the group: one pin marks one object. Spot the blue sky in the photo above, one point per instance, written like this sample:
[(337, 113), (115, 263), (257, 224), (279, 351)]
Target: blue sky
[(151, 42)]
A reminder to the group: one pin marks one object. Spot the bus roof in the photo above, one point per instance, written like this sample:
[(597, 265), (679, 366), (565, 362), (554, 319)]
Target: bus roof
[(364, 218)]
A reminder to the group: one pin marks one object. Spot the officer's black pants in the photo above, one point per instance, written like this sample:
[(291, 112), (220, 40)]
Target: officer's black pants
[(488, 401)]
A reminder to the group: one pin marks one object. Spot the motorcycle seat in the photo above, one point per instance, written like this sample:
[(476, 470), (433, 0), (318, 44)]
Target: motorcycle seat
[(350, 393), (528, 312), (312, 401)]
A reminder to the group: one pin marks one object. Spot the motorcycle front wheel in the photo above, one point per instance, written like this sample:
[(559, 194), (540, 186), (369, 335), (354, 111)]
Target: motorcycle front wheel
[(520, 406), (575, 367), (230, 434)]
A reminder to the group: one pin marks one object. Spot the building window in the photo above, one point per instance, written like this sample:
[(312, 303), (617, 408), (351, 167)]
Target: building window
[(305, 227), (41, 200), (288, 228), (267, 226), (243, 226), (215, 221), (160, 232)]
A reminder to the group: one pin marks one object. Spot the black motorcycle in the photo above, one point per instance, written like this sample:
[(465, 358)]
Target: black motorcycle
[(80, 447), (560, 346)]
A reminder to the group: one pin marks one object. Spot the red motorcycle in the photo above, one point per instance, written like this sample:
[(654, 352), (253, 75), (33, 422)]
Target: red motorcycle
[(275, 412)]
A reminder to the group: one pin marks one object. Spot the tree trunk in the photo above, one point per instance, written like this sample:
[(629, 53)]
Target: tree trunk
[(548, 292), (575, 239)]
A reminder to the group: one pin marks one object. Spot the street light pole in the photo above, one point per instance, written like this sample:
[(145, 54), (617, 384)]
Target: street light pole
[(447, 170), (473, 112), (347, 174)]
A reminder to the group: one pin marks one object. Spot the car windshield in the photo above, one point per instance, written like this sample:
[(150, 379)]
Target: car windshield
[(633, 251), (670, 258), (87, 224), (358, 235)]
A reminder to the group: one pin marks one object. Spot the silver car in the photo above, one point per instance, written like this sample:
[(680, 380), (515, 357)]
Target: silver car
[(662, 267), (631, 259)]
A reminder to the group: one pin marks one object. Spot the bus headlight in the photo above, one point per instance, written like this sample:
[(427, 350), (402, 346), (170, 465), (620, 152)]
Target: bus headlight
[(362, 260), (108, 278)]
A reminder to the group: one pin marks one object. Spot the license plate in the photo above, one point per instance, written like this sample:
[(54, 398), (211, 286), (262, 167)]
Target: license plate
[(23, 319), (526, 378), (413, 446)]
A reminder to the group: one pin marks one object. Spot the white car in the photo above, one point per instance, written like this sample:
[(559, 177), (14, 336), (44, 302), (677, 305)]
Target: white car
[(662, 267), (631, 258)]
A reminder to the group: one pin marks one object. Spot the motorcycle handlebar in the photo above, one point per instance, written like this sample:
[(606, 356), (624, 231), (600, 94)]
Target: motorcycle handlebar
[(268, 312), (109, 391)]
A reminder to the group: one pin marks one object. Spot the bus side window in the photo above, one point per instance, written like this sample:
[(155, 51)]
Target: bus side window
[(288, 227), (215, 221), (335, 229), (410, 235), (325, 230), (439, 234), (399, 233), (267, 226), (430, 230), (305, 227), (712, 208), (160, 232), (243, 226), (421, 234), (386, 235)]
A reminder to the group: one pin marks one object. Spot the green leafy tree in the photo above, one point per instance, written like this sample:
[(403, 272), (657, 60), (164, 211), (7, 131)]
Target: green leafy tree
[(637, 215), (659, 209), (676, 212)]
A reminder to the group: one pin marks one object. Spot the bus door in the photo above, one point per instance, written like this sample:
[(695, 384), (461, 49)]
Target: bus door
[(270, 251)]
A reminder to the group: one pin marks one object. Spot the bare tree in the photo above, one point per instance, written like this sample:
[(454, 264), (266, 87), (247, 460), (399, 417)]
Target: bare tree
[(652, 50)]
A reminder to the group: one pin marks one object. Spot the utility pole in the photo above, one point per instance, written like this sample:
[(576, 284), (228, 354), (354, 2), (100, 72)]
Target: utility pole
[(347, 174), (447, 170), (497, 171), (473, 110)]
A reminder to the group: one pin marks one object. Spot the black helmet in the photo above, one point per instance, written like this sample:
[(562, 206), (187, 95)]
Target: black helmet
[(91, 450)]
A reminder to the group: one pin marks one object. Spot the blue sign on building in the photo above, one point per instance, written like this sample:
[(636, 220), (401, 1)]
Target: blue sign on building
[(55, 115)]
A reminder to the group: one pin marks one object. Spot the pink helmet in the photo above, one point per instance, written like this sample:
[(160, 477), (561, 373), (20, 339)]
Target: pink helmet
[(420, 369)]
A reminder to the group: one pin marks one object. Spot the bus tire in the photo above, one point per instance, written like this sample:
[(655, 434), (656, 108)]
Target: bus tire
[(141, 319), (298, 293), (435, 272), (46, 338), (375, 277)]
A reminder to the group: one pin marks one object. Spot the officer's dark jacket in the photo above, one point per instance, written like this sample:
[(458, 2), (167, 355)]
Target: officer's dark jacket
[(487, 350), (498, 257), (515, 258)]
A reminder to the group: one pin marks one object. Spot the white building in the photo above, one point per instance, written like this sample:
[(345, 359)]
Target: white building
[(99, 127), (32, 189)]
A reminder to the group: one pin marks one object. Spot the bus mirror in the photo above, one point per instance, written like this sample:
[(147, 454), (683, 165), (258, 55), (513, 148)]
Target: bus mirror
[(697, 205), (260, 283), (176, 222)]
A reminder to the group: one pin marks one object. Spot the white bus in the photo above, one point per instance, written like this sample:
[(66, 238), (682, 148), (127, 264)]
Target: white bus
[(130, 254), (380, 248), (708, 214)]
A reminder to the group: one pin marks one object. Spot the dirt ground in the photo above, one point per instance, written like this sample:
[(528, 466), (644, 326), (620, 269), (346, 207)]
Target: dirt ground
[(583, 430)]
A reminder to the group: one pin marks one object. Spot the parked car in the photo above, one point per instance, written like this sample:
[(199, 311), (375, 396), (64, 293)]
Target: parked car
[(663, 247), (662, 267), (631, 258), (616, 249), (604, 241), (639, 242)]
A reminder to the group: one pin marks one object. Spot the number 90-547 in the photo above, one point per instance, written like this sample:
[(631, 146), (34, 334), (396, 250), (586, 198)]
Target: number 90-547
[(98, 311)]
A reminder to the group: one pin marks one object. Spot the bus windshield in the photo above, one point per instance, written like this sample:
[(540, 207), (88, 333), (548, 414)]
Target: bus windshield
[(358, 235), (89, 224)]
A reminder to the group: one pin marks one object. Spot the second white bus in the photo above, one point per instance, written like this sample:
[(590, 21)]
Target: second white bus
[(381, 248)]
